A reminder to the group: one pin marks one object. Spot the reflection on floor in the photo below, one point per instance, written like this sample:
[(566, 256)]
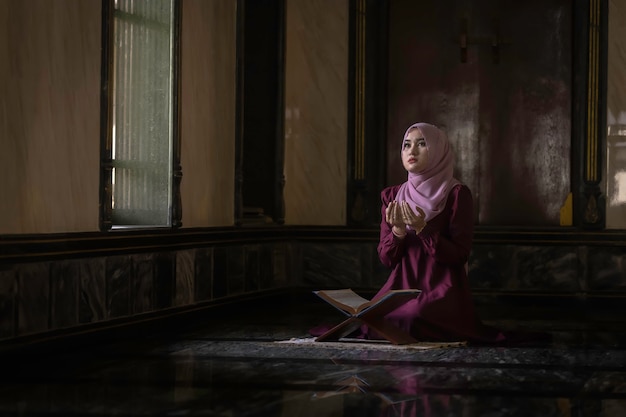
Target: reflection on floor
[(225, 364)]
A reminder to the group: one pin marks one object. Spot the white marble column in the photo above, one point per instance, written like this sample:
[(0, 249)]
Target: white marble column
[(616, 117)]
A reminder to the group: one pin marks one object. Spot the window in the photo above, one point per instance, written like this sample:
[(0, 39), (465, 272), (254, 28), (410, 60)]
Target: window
[(141, 171)]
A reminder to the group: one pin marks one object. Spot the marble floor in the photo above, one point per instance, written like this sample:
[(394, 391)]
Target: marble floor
[(220, 363)]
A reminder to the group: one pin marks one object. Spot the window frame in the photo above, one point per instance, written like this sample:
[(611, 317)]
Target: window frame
[(106, 128)]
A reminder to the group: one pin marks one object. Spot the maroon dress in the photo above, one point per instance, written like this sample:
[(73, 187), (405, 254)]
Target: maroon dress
[(435, 261)]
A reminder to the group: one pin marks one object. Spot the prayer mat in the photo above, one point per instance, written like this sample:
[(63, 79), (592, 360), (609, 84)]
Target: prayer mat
[(361, 344)]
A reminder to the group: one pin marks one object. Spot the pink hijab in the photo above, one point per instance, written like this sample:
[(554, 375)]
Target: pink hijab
[(429, 189)]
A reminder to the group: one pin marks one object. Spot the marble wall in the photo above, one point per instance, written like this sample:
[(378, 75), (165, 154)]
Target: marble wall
[(208, 83), (49, 115), (316, 113), (516, 269), (50, 77), (616, 117), (616, 88), (50, 126), (41, 297), (506, 108)]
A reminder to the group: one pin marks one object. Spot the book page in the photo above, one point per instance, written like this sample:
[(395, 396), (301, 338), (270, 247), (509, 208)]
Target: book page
[(405, 295), (345, 299), (349, 301)]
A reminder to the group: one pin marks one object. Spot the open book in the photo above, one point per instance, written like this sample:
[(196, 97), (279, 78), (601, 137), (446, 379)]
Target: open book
[(353, 304)]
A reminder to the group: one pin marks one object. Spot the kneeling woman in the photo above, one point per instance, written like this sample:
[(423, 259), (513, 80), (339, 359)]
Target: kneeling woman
[(426, 237)]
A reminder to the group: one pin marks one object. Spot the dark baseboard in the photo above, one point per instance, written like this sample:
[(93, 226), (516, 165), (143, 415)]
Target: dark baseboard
[(551, 306), (141, 327), (167, 323)]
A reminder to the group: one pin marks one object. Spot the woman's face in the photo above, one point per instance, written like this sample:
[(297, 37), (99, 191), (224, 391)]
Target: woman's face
[(414, 152)]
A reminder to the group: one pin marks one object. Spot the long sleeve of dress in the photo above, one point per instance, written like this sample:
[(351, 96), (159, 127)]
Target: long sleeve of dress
[(454, 244), (390, 247), (448, 242)]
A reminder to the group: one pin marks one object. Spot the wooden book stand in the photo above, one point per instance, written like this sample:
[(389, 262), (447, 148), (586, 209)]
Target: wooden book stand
[(371, 313)]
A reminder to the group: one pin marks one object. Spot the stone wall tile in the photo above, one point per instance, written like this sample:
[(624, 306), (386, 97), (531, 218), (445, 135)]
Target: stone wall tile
[(184, 278), (92, 302), (33, 298), (64, 293)]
